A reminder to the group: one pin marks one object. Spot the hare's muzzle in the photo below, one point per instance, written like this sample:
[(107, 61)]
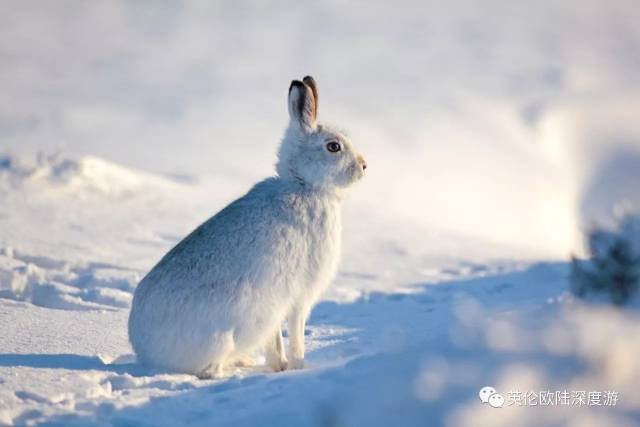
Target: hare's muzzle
[(362, 162)]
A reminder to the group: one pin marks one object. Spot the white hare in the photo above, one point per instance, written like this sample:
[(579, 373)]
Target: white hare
[(225, 290)]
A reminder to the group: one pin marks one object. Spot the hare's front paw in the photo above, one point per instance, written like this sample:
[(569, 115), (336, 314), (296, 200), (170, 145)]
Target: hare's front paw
[(278, 364), (296, 363)]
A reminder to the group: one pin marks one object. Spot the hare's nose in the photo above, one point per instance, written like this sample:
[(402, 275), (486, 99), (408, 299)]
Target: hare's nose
[(362, 162)]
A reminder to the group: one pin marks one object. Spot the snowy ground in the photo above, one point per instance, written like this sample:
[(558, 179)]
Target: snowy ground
[(494, 132), (380, 344)]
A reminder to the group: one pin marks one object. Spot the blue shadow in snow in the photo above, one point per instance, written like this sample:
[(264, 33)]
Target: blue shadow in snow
[(72, 362)]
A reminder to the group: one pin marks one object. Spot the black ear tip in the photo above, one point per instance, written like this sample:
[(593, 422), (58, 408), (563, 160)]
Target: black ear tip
[(296, 83), (309, 80)]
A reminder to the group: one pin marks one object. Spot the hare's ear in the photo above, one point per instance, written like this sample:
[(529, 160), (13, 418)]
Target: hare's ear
[(302, 105), (310, 81)]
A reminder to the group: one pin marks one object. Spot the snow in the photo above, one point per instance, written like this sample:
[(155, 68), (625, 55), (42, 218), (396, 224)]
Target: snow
[(494, 134), (423, 355)]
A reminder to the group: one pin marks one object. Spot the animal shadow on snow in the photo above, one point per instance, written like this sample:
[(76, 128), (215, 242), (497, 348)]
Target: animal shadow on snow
[(74, 362)]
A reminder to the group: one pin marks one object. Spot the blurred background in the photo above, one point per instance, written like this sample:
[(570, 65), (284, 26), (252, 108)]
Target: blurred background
[(506, 123)]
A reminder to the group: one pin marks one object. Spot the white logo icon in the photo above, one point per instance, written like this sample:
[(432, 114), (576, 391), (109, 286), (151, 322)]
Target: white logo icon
[(489, 395), (485, 393), (496, 400)]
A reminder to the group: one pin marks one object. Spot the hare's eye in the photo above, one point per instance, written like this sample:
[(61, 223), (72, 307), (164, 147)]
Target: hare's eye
[(333, 146)]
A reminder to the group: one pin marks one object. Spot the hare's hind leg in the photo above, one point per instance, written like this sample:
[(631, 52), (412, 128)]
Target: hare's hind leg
[(275, 354), (224, 346), (212, 372), (244, 361)]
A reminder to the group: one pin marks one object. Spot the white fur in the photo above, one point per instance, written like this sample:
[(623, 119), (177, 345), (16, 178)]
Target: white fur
[(226, 289)]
